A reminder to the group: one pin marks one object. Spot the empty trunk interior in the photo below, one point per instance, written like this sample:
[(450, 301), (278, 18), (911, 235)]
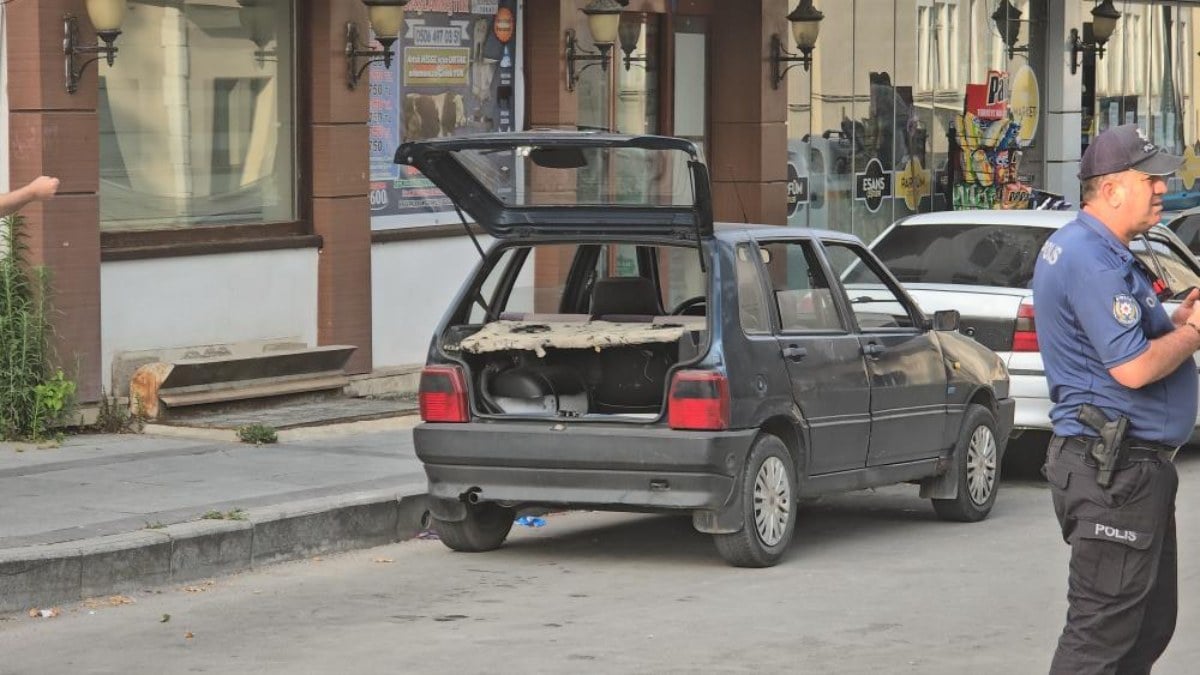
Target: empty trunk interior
[(595, 377)]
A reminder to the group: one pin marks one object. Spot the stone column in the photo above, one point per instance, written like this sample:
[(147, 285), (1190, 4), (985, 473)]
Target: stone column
[(55, 133), (748, 160), (338, 161)]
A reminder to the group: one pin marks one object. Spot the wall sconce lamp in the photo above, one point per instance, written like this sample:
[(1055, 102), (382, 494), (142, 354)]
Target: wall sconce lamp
[(629, 33), (387, 18), (603, 18), (1008, 21), (1104, 22), (806, 25), (106, 16), (258, 18)]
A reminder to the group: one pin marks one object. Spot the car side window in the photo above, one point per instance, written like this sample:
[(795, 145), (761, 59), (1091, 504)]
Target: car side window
[(799, 288), (1166, 262), (752, 307), (520, 299), (876, 303)]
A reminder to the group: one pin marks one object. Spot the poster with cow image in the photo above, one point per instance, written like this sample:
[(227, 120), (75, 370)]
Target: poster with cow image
[(454, 73)]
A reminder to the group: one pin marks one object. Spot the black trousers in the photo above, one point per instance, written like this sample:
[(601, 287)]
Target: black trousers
[(1123, 582)]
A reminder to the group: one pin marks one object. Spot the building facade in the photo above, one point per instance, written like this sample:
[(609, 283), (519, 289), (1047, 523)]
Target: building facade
[(227, 180)]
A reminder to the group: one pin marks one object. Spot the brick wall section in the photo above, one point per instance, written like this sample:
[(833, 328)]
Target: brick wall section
[(338, 142), (56, 133), (748, 158), (549, 104)]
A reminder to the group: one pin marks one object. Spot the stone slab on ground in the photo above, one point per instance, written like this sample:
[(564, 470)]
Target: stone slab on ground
[(300, 414)]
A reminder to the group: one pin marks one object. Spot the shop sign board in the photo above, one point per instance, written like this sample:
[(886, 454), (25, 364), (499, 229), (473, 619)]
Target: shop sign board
[(1024, 104), (873, 185), (797, 190), (454, 73)]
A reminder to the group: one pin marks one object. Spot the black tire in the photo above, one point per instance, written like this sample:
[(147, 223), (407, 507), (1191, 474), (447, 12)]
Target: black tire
[(769, 480), (484, 529), (977, 461)]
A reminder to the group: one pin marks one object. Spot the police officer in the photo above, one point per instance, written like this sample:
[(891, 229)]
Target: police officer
[(1107, 342)]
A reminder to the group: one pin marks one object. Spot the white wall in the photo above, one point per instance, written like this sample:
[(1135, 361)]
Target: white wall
[(412, 284), (204, 300)]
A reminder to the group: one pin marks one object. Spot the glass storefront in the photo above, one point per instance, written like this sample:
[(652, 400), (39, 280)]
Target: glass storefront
[(877, 124), (197, 118), (950, 115), (1147, 77)]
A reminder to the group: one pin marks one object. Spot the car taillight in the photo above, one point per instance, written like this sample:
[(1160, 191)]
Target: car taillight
[(443, 394), (699, 400), (1025, 333)]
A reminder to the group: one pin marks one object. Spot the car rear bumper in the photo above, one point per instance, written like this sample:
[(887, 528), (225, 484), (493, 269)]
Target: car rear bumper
[(1032, 396), (599, 465)]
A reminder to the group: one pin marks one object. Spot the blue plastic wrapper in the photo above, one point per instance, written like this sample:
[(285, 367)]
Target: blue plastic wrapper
[(530, 521)]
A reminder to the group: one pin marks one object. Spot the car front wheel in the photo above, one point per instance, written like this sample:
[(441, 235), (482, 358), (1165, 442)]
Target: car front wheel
[(485, 528), (977, 461), (768, 497)]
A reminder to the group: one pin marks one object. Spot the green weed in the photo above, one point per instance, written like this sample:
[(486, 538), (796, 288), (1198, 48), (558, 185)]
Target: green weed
[(257, 434), (34, 397), (235, 514)]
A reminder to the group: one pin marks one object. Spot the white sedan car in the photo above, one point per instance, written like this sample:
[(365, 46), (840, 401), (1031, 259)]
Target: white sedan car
[(981, 264)]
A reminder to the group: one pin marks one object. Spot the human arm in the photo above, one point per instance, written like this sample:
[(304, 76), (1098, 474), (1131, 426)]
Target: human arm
[(1184, 310), (1161, 357), (38, 189)]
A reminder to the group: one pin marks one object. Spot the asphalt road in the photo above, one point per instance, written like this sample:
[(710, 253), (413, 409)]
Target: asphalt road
[(874, 583)]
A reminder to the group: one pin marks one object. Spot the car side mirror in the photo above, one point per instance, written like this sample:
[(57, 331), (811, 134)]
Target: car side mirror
[(946, 320)]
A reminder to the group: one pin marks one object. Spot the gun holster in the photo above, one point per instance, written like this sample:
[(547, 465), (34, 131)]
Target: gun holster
[(1108, 448)]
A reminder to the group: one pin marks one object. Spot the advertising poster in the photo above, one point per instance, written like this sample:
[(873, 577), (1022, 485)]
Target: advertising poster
[(987, 139), (453, 74)]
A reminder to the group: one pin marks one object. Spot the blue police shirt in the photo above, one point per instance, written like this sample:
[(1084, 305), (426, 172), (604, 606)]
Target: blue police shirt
[(1095, 310)]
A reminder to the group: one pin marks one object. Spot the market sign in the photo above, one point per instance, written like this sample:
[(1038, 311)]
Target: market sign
[(504, 24), (797, 190), (913, 180), (989, 101), (1023, 104), (873, 185)]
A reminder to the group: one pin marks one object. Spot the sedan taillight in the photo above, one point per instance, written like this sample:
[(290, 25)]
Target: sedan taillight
[(443, 394), (699, 400), (1025, 332)]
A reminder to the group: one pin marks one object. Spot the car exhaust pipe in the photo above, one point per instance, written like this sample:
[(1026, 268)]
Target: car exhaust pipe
[(471, 496)]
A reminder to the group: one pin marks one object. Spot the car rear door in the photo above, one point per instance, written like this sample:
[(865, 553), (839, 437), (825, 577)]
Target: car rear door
[(907, 372), (823, 357)]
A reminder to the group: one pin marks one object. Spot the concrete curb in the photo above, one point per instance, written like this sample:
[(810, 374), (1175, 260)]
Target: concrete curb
[(394, 423), (40, 576)]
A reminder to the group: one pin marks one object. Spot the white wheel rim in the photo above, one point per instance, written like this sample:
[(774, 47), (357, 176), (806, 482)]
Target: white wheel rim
[(772, 501), (981, 465)]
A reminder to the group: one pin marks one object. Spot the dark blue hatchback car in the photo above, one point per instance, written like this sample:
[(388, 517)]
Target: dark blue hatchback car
[(615, 350)]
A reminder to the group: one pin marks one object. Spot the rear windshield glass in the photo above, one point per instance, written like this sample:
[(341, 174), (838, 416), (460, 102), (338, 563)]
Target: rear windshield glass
[(983, 255), (551, 176)]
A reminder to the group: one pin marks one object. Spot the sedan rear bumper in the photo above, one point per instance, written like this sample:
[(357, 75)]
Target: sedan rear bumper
[(581, 464)]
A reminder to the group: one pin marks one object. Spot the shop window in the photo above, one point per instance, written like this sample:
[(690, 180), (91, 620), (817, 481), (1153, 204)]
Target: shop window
[(197, 117), (1145, 78)]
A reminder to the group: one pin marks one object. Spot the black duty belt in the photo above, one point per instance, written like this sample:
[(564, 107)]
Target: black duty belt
[(1132, 449)]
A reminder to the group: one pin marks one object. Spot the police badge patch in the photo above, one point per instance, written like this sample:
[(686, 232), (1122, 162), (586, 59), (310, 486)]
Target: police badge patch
[(1126, 310)]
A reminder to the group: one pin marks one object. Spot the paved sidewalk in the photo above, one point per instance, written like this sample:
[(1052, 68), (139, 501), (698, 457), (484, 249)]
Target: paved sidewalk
[(103, 514)]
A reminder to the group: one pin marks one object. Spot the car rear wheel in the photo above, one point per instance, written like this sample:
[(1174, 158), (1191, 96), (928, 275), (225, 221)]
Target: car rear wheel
[(485, 528), (768, 497), (977, 461)]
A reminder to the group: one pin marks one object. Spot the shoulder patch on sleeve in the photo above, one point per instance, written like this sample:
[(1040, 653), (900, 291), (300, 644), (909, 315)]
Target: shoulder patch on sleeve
[(1126, 310)]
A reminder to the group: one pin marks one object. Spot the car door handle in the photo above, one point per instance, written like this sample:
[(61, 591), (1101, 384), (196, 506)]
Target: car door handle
[(872, 350), (794, 352)]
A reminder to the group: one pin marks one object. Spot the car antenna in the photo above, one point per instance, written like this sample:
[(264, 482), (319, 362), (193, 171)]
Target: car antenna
[(738, 194), (467, 227), (1158, 268)]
